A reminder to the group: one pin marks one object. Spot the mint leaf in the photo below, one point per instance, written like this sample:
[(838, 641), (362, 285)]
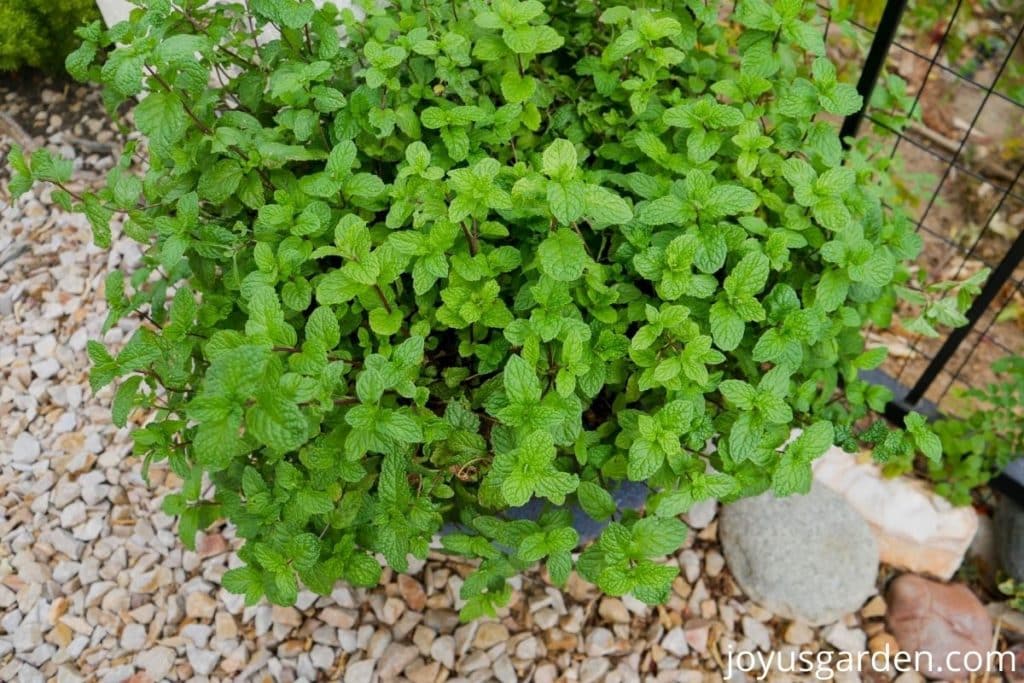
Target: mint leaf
[(562, 255)]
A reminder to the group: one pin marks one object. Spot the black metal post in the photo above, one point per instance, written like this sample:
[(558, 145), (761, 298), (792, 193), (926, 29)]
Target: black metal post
[(995, 282), (873, 65)]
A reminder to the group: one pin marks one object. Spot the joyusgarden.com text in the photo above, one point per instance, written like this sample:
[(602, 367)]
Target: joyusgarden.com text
[(825, 664)]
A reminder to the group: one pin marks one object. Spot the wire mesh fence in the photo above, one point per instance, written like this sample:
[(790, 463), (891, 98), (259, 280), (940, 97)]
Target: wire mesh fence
[(957, 134)]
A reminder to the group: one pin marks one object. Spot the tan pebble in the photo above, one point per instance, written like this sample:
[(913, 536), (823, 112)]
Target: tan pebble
[(225, 626), (211, 545), (558, 640), (874, 608), (291, 648), (412, 592), (527, 649), (199, 605), (289, 616), (698, 632), (490, 633), (883, 642), (874, 627), (58, 609), (338, 617), (422, 638), (429, 672), (60, 635), (798, 633), (613, 610)]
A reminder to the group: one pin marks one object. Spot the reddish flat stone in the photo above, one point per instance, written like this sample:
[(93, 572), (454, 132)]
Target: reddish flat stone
[(937, 618)]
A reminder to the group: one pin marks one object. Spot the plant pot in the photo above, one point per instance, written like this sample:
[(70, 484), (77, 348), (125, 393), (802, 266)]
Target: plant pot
[(628, 495)]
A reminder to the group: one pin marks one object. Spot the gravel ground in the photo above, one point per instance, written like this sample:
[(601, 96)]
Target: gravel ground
[(94, 584)]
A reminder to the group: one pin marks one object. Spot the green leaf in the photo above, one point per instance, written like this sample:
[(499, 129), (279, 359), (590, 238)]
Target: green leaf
[(645, 459), (662, 211), (516, 88), (312, 502), (303, 551), (842, 100), (562, 255), (815, 440), (245, 581), (657, 536), (161, 117), (925, 439), (220, 181), (595, 500), (604, 207), (521, 382), (559, 160), (832, 290), (567, 201), (124, 400), (738, 393), (276, 422), (748, 277), (400, 426), (729, 200), (727, 327)]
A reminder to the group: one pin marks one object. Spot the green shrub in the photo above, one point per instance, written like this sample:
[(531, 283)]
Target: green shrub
[(1014, 590), (478, 254), (40, 33), (980, 444)]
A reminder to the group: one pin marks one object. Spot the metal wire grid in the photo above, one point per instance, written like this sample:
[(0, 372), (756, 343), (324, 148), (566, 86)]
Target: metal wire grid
[(959, 347)]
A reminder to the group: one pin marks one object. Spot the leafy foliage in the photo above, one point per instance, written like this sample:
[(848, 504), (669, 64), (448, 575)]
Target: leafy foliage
[(40, 33), (1014, 590), (476, 254), (980, 444)]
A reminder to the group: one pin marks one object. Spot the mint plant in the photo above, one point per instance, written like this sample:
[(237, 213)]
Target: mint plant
[(408, 268), (978, 442)]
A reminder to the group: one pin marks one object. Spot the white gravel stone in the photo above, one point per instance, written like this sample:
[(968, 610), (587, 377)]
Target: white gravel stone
[(91, 530), (66, 675), (443, 650), (846, 639), (133, 637), (593, 669), (600, 642), (26, 448), (157, 661), (758, 633), (674, 642), (203, 661), (689, 561), (701, 514), (24, 637), (504, 670), (322, 656), (45, 369), (394, 660), (199, 634), (360, 672), (72, 515)]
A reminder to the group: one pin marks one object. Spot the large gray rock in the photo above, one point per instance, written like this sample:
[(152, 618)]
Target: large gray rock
[(809, 557), (1008, 526)]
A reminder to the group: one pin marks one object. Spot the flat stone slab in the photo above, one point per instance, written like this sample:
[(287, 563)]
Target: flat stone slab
[(809, 557), (916, 528)]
